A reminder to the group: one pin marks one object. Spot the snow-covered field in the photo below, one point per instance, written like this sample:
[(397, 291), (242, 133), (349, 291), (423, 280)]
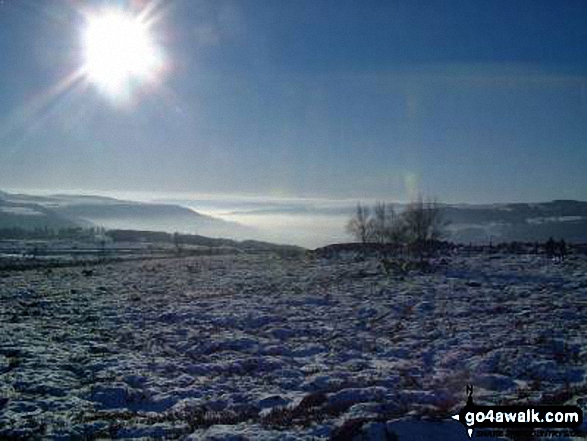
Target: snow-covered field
[(256, 347)]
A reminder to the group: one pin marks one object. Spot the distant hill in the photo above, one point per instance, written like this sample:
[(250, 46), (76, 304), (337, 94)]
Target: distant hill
[(562, 219), (248, 246), (64, 211), (31, 216), (476, 223)]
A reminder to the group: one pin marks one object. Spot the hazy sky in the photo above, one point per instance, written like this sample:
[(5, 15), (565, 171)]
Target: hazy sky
[(470, 100)]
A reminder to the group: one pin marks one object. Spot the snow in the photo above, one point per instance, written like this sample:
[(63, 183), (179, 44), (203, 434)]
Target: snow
[(256, 347)]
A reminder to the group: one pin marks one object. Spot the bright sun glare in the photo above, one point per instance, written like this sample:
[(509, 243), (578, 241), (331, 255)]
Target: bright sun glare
[(119, 52)]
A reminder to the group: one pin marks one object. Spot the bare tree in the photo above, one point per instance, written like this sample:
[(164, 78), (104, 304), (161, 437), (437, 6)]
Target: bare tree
[(418, 226), (177, 242), (424, 224), (360, 224), (380, 222), (387, 227), (397, 231)]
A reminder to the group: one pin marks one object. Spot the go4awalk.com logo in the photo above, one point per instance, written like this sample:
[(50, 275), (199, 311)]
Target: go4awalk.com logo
[(473, 416)]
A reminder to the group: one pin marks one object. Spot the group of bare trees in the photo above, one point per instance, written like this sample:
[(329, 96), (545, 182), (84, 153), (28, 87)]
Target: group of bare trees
[(417, 226)]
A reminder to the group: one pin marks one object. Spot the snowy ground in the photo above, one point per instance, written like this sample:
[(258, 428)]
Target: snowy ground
[(264, 348)]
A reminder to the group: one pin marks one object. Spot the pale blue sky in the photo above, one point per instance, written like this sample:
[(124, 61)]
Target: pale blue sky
[(470, 100)]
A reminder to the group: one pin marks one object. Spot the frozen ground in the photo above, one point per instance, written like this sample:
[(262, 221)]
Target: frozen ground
[(256, 347)]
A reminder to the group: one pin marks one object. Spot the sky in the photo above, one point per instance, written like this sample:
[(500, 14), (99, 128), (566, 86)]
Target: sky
[(468, 101)]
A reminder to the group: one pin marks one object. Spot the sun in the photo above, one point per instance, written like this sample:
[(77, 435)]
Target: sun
[(119, 52)]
